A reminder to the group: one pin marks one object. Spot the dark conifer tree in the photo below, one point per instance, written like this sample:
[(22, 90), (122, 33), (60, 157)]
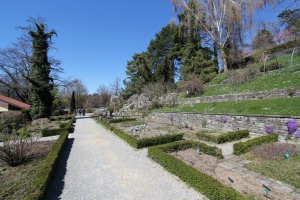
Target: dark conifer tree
[(73, 103)]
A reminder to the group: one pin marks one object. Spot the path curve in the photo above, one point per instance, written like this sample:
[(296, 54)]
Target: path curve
[(96, 164)]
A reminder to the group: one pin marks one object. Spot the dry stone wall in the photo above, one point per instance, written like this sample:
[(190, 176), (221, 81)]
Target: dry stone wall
[(284, 93), (253, 123)]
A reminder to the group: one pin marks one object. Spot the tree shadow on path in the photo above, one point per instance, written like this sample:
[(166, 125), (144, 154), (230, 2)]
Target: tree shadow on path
[(57, 183)]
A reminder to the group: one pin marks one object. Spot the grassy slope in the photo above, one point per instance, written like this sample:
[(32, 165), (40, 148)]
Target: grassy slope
[(271, 81), (285, 78), (284, 106)]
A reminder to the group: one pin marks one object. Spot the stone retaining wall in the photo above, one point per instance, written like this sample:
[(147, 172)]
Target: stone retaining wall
[(284, 93), (253, 123)]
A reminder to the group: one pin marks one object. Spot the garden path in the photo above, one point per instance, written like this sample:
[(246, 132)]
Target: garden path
[(96, 164)]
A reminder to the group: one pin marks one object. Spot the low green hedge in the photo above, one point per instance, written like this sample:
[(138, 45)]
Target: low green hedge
[(244, 147), (188, 144), (40, 185), (144, 142), (58, 131), (54, 131), (121, 120), (200, 181), (227, 137)]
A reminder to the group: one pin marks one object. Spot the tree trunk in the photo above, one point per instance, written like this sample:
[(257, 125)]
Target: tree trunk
[(223, 57)]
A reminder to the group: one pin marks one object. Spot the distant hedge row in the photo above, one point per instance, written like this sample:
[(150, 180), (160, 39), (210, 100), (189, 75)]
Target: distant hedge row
[(244, 147), (62, 128), (223, 138), (144, 142)]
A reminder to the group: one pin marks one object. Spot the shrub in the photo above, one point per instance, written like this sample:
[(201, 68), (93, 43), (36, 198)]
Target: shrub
[(292, 126), (250, 72), (63, 127), (171, 118), (203, 123), (271, 66), (224, 119), (227, 137), (16, 149), (244, 147), (122, 120), (193, 86), (269, 129), (11, 120), (297, 135)]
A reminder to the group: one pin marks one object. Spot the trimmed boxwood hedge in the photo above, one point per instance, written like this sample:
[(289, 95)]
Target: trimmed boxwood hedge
[(40, 185), (244, 147), (200, 181), (121, 120), (58, 131), (227, 137), (144, 142)]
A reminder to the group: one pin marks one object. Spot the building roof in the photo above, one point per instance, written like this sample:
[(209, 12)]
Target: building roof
[(14, 102)]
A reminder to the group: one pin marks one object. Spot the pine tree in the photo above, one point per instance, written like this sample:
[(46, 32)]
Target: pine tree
[(72, 104), (41, 99)]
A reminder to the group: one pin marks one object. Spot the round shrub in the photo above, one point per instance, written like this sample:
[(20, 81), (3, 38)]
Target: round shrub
[(11, 120)]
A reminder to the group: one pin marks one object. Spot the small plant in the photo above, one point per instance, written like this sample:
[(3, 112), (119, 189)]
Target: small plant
[(171, 118), (224, 119), (16, 149), (297, 135), (292, 126), (269, 129), (203, 122)]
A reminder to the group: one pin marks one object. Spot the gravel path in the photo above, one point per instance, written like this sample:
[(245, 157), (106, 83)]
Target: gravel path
[(96, 164)]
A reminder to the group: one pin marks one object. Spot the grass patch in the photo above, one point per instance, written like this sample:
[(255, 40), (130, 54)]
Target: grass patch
[(16, 180), (288, 77), (276, 166), (280, 106)]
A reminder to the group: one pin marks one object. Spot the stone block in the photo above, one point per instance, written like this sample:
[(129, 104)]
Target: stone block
[(295, 195), (278, 185), (227, 165)]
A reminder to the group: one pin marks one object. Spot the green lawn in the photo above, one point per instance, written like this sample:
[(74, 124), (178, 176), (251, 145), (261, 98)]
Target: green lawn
[(285, 78), (281, 106)]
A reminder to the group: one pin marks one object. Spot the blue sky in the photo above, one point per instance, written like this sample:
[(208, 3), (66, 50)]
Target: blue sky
[(95, 38)]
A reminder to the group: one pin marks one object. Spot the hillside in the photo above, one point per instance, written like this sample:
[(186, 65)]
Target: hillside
[(279, 79)]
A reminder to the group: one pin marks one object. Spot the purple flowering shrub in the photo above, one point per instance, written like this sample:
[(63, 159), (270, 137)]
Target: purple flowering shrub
[(297, 135), (292, 126), (269, 129), (224, 119), (178, 121)]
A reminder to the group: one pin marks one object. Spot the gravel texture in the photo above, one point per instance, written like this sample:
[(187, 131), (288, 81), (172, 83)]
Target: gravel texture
[(96, 164)]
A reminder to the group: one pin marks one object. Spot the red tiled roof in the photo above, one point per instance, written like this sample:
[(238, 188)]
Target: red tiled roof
[(14, 102)]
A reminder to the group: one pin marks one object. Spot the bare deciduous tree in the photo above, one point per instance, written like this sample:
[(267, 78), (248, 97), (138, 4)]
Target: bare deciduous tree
[(218, 18), (155, 91), (105, 94), (115, 87)]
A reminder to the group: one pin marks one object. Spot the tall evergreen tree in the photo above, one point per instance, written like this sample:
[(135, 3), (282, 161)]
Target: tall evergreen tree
[(41, 98), (73, 103)]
